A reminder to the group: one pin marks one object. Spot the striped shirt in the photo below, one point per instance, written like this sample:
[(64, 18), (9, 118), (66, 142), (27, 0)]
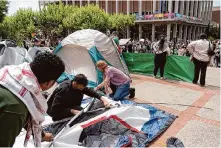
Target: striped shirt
[(199, 49)]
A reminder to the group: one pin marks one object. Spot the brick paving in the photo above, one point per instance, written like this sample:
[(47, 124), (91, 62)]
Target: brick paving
[(190, 113)]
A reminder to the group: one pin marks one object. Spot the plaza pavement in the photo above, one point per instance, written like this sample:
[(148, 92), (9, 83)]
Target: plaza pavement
[(197, 108)]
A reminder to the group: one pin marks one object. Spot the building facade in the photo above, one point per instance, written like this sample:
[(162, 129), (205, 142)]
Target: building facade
[(178, 20), (216, 14)]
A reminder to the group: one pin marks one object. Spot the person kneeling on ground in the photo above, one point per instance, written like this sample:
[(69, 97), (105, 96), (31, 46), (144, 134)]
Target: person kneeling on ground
[(21, 102), (66, 100), (119, 81)]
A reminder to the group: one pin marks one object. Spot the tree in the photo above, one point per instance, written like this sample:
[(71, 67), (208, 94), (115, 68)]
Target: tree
[(3, 9), (121, 21), (49, 20), (87, 17)]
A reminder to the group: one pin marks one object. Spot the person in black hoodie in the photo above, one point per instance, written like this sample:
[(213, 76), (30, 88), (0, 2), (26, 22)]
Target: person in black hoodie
[(65, 101)]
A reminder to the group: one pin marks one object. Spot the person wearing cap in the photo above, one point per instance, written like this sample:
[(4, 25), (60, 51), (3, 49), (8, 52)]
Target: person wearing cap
[(119, 81), (199, 51)]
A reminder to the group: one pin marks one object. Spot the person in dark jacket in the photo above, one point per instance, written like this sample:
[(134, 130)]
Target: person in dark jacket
[(65, 101)]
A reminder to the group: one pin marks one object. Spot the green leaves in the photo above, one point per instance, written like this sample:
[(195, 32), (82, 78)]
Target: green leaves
[(3, 9), (59, 19)]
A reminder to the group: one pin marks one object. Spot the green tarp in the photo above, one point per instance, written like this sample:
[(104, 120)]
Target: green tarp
[(177, 67)]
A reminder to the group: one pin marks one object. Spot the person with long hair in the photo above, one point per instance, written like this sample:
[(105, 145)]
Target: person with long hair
[(199, 52), (161, 50)]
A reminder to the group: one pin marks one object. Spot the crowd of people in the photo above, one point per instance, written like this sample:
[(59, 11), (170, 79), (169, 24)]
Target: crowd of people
[(176, 48), (22, 104)]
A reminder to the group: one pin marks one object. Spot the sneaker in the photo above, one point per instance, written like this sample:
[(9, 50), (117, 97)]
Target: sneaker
[(154, 76), (173, 142), (161, 78), (132, 92)]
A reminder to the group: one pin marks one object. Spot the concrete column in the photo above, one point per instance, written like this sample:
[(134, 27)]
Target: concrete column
[(191, 7), (106, 6), (117, 6), (128, 13), (170, 8), (211, 9), (175, 31), (200, 9), (97, 2), (206, 11), (73, 2), (88, 2), (140, 31), (176, 6), (181, 7), (168, 31), (194, 33), (66, 2), (80, 3), (189, 33), (154, 6), (185, 33), (195, 9), (187, 8), (181, 31), (140, 7), (153, 32)]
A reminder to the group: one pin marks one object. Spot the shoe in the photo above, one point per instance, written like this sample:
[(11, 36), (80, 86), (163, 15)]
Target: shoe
[(194, 82), (161, 78), (202, 85), (132, 92), (154, 76), (173, 142)]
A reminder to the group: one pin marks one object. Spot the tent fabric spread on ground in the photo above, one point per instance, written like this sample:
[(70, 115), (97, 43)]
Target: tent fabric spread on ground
[(114, 128), (177, 67)]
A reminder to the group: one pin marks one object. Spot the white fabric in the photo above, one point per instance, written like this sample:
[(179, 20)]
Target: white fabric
[(123, 41), (127, 113), (20, 80), (33, 50), (14, 56), (77, 60), (88, 38), (199, 49), (157, 49)]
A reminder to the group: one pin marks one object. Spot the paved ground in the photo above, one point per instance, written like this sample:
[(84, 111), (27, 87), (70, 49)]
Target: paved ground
[(198, 124)]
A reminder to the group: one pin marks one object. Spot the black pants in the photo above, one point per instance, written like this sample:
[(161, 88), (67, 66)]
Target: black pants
[(159, 62), (200, 67)]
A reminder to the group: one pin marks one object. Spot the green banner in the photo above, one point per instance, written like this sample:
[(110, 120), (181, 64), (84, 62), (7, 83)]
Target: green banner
[(177, 67)]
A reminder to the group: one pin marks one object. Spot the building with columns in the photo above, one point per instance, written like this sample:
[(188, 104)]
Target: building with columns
[(177, 20)]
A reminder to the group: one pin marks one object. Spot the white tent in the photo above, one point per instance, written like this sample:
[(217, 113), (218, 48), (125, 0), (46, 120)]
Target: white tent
[(13, 56), (81, 49)]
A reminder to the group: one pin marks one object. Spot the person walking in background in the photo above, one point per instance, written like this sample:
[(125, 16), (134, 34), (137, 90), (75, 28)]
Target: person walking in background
[(161, 50), (199, 52)]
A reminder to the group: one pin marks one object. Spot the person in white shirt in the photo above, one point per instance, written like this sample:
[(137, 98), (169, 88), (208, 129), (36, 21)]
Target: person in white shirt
[(199, 51), (161, 50)]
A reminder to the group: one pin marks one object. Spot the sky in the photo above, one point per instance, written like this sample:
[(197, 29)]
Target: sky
[(16, 4)]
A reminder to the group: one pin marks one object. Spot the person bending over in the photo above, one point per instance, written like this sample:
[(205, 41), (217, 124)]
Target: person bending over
[(21, 102), (119, 81), (65, 101)]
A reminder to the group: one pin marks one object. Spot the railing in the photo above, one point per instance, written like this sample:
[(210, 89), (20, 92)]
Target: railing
[(161, 16)]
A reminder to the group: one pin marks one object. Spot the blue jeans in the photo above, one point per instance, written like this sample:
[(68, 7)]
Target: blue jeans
[(119, 92)]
